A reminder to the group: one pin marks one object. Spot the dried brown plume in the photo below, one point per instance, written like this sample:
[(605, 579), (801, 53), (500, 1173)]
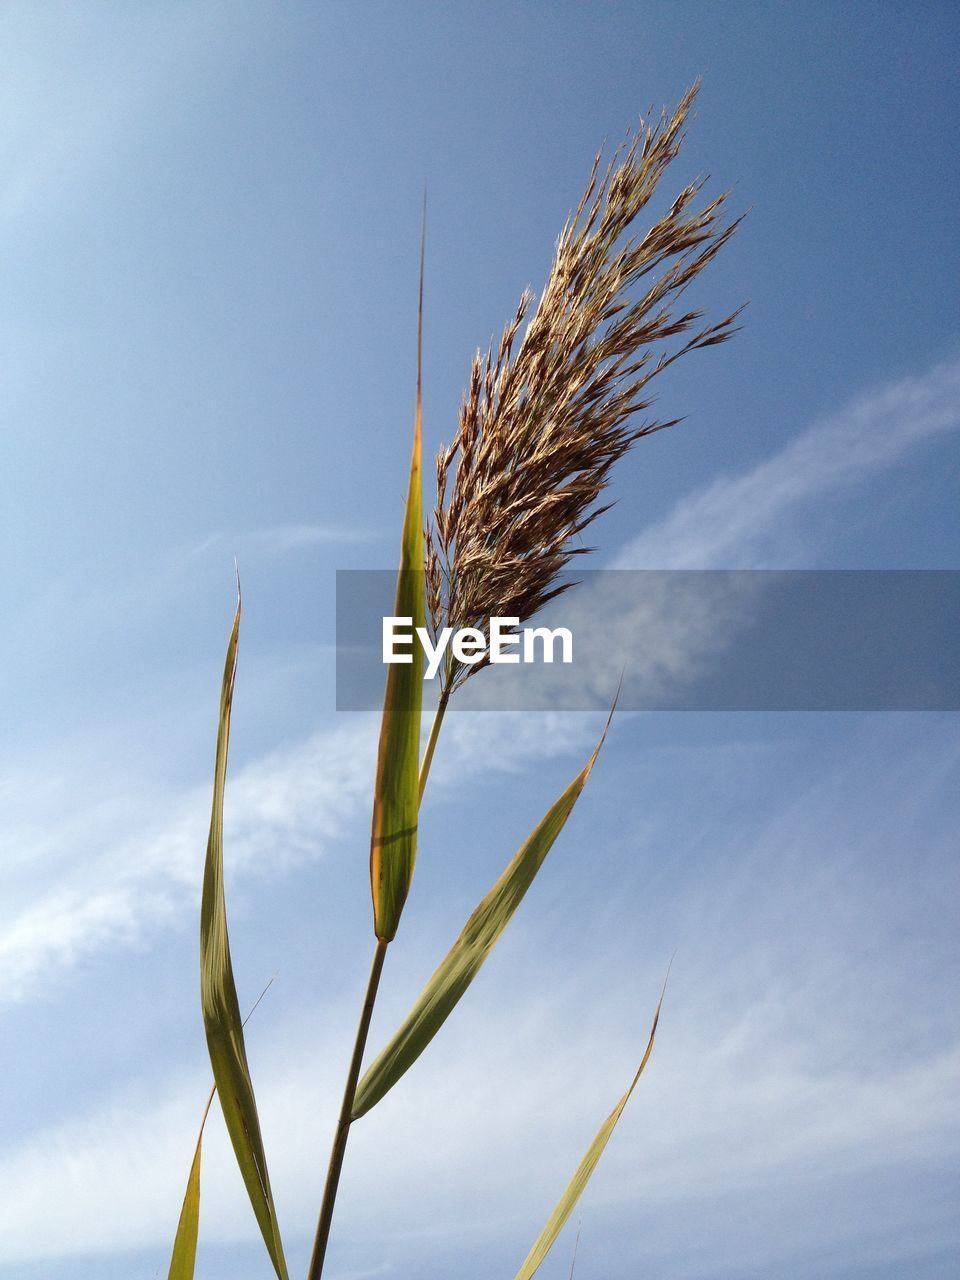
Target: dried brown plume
[(545, 417)]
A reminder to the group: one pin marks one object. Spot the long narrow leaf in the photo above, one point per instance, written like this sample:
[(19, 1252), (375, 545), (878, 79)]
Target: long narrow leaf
[(393, 838), (218, 997), (184, 1257), (567, 1202), (464, 959)]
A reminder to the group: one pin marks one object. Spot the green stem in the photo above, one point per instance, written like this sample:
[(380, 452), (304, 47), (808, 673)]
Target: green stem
[(432, 740), (343, 1124)]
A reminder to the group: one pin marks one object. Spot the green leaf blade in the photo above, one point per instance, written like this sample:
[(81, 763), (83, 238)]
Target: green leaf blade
[(184, 1258), (393, 837), (568, 1201), (463, 961), (218, 998)]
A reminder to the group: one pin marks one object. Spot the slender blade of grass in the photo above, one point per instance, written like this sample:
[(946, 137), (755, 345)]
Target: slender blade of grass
[(184, 1257), (567, 1202), (218, 997), (393, 838), (464, 959)]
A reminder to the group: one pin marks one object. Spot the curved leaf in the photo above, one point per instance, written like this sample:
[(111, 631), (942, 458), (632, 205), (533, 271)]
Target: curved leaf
[(567, 1202), (218, 997), (464, 959), (184, 1257)]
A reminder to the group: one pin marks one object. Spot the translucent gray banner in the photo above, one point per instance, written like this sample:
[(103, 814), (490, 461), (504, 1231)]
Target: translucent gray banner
[(700, 640)]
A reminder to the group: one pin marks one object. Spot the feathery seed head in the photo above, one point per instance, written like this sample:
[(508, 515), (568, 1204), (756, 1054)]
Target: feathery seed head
[(546, 416)]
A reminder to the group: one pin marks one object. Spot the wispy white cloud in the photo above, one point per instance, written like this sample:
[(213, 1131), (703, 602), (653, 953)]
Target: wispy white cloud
[(718, 1115), (286, 806), (768, 1073), (670, 631), (281, 539), (738, 521), (78, 886), (276, 540), (748, 1100), (299, 799)]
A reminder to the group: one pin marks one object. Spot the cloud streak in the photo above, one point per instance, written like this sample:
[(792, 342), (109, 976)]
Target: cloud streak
[(764, 1081), (295, 801), (769, 1076), (666, 632), (282, 539), (273, 541), (290, 807), (737, 521), (300, 799)]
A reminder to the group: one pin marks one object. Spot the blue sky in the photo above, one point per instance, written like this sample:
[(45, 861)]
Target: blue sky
[(210, 217)]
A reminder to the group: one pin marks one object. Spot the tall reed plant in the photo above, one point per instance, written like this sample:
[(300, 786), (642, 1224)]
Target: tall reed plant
[(547, 413)]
